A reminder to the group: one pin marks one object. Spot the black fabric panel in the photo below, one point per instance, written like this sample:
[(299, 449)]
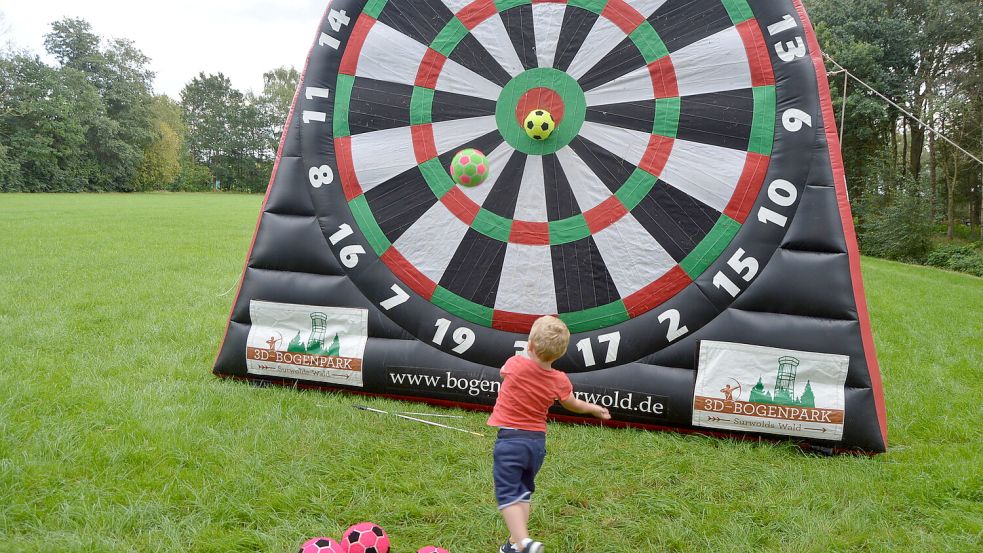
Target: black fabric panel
[(505, 194), (476, 269), (421, 20), (676, 220), (400, 201), (484, 144), (860, 425), (683, 22), (290, 195), (638, 116), (805, 280), (306, 252), (816, 225), (582, 280), (609, 168), (623, 59), (577, 23), (471, 54), (448, 106), (378, 105), (719, 118), (519, 24), (560, 201)]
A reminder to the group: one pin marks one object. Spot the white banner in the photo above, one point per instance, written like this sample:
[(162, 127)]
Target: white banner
[(776, 391), (307, 342)]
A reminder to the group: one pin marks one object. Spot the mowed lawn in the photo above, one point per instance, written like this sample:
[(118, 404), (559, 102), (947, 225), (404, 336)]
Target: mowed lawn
[(114, 435)]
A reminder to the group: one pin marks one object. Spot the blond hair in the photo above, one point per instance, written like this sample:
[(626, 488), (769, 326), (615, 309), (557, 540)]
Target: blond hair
[(549, 338)]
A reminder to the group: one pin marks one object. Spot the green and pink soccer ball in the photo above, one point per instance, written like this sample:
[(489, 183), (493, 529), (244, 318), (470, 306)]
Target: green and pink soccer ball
[(469, 167)]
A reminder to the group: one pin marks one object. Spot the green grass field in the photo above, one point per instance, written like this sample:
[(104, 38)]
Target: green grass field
[(114, 435)]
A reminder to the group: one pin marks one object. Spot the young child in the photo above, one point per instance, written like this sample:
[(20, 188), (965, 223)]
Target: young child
[(529, 388)]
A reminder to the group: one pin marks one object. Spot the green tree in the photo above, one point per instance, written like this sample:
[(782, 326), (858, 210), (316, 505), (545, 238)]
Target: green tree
[(46, 116), (161, 166), (118, 72), (279, 88), (226, 132)]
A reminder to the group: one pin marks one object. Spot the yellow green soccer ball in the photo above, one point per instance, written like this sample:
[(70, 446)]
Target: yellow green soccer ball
[(539, 124)]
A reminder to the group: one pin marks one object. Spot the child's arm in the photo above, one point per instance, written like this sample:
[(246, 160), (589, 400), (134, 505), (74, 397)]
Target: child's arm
[(584, 408)]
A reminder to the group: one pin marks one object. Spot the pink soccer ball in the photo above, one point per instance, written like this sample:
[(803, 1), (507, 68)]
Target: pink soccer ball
[(365, 537), (321, 545), (432, 549)]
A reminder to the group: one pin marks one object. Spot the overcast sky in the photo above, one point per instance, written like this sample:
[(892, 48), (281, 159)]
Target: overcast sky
[(240, 38)]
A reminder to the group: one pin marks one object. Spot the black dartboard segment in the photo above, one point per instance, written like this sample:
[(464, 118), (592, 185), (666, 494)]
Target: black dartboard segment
[(690, 138)]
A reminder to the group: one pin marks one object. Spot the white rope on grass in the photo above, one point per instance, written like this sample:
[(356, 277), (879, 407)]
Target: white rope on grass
[(899, 108), (226, 293)]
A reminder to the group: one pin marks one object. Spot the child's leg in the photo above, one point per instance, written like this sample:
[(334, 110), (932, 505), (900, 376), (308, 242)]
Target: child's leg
[(517, 519)]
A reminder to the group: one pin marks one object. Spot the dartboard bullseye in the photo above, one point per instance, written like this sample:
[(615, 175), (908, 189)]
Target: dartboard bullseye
[(657, 173)]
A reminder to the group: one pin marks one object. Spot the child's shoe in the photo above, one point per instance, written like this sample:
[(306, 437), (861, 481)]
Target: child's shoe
[(530, 545), (508, 548)]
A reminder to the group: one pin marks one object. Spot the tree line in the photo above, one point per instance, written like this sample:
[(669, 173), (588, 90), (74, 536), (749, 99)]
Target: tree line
[(91, 122), (905, 182)]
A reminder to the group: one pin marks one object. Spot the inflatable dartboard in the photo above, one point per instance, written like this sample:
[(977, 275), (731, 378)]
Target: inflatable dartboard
[(684, 213)]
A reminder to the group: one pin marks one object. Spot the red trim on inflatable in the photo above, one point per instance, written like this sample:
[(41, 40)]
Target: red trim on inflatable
[(624, 16), (757, 53), (748, 186), (474, 13), (530, 233), (656, 155), (349, 61), (410, 275), (605, 214), (658, 292), (430, 68), (269, 187), (663, 74), (846, 216), (346, 168)]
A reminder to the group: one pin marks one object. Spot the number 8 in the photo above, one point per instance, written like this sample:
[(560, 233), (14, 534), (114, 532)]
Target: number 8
[(319, 176)]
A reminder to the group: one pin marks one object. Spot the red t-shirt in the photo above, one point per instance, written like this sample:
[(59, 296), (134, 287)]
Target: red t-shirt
[(527, 393)]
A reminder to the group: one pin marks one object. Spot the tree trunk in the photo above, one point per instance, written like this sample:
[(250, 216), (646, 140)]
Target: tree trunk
[(932, 184), (904, 146), (974, 212), (917, 145), (951, 200), (893, 180)]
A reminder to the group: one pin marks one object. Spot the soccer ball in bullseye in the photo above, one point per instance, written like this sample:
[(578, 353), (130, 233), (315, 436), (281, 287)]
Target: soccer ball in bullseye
[(539, 124), (365, 537), (321, 545), (469, 167), (432, 549)]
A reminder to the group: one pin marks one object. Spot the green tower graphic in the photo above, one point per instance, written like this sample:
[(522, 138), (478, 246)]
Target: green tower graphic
[(784, 393), (315, 344), (319, 326)]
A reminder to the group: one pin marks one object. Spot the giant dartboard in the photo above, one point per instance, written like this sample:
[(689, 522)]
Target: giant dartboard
[(691, 152)]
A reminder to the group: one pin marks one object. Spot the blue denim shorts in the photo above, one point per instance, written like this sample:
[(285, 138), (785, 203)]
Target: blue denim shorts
[(518, 456)]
